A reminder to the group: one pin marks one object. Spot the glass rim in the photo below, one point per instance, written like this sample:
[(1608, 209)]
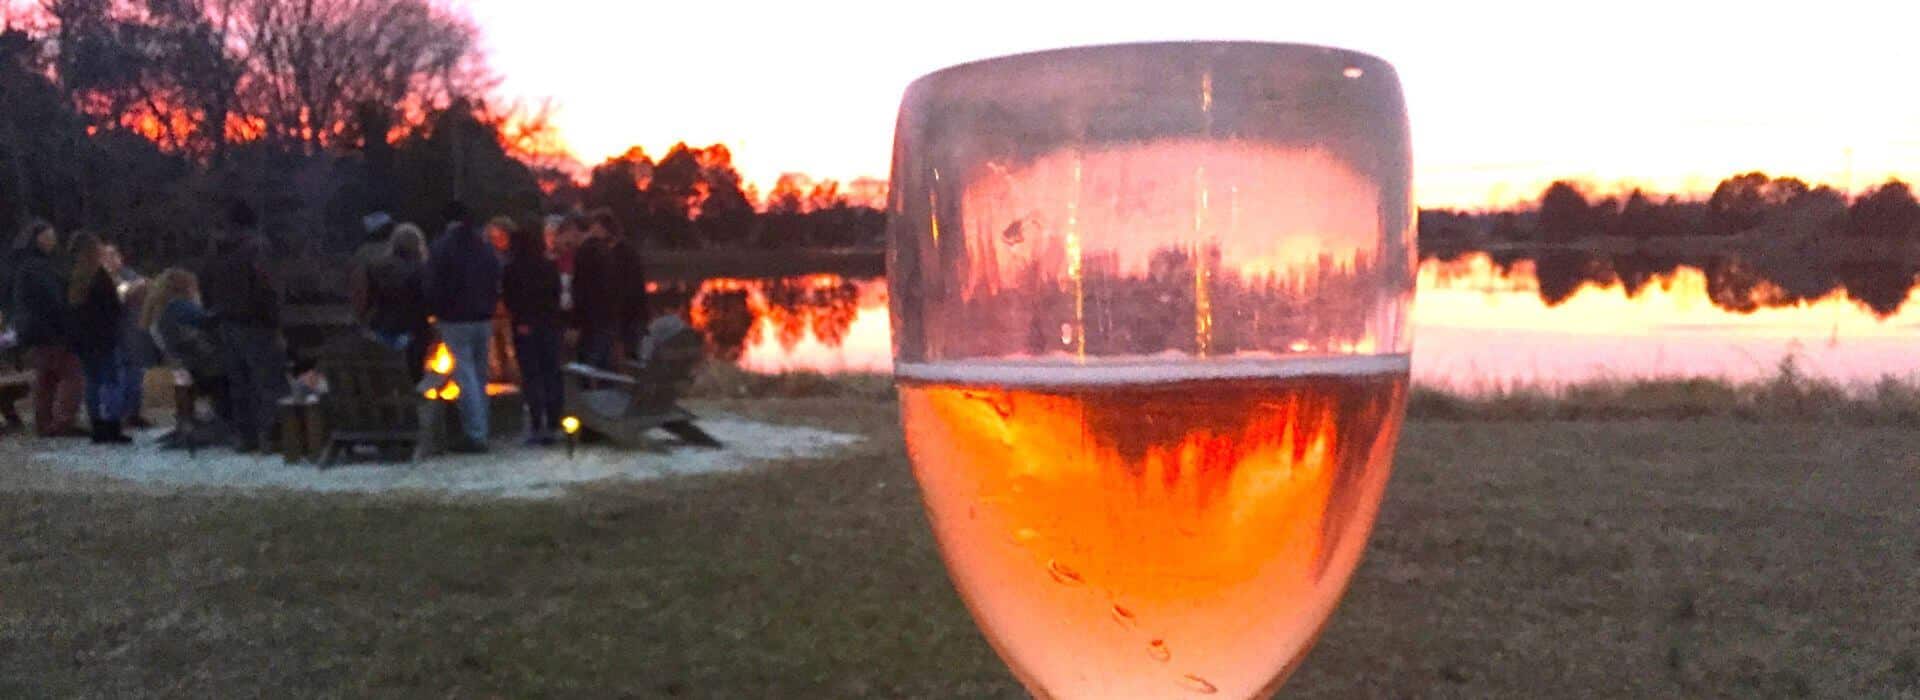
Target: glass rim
[(1361, 58)]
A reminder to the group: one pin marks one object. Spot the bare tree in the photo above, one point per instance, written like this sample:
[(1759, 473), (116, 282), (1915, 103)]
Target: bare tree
[(313, 64)]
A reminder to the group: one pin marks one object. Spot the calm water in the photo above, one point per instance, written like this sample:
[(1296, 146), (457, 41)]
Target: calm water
[(1478, 324)]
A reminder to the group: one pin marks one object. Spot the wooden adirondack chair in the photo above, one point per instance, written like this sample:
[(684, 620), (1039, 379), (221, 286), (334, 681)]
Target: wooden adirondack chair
[(623, 408), (371, 399)]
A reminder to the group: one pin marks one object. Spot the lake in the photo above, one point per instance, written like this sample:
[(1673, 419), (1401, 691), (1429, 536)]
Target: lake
[(1479, 324)]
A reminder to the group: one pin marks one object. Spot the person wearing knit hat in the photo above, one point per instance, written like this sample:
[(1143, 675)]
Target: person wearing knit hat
[(379, 227)]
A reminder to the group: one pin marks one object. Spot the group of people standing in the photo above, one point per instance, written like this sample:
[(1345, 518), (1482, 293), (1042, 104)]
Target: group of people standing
[(70, 316), (536, 282), (91, 329)]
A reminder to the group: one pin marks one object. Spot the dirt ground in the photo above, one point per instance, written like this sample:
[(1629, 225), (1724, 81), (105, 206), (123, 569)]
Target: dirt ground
[(1512, 559)]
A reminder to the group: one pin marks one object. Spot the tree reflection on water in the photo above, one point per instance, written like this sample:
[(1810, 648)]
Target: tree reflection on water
[(1734, 284), (833, 323), (736, 314)]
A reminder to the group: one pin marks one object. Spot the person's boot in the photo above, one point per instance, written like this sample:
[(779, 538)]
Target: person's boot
[(107, 432), (464, 445)]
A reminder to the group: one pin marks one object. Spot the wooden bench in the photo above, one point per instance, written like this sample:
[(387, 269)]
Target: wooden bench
[(623, 408)]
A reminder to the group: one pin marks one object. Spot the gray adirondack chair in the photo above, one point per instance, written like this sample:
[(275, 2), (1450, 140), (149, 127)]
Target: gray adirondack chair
[(624, 407)]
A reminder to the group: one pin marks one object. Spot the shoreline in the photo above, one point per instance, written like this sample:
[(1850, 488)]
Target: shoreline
[(1789, 395)]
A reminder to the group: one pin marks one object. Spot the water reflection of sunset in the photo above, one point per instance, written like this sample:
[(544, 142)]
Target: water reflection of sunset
[(821, 323), (1477, 325), (1474, 292)]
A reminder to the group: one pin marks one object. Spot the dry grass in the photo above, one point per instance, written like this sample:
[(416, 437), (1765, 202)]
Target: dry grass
[(1708, 557), (724, 381), (1787, 396)]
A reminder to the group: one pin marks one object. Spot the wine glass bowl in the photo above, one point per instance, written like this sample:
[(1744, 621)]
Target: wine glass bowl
[(1149, 307)]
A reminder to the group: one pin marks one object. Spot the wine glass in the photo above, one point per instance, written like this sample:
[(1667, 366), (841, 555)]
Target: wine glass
[(1149, 307)]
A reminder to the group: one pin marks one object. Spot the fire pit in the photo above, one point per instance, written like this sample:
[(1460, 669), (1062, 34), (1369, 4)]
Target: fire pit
[(305, 432), (440, 414)]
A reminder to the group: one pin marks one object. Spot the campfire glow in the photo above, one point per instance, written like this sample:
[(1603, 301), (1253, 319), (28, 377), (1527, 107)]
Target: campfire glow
[(442, 360), (440, 364)]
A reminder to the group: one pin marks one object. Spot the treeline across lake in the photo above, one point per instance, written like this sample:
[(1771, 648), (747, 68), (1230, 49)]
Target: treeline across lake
[(1761, 241), (1750, 204)]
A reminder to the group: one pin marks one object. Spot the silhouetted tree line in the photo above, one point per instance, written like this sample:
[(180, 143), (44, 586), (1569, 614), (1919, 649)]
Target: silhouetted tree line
[(1749, 203), (693, 198), (140, 120), (1761, 241)]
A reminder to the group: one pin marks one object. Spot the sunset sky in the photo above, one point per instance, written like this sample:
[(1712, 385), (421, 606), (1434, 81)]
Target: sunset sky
[(1504, 95)]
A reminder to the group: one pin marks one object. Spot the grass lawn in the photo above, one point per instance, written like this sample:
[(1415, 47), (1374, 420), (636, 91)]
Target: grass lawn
[(1513, 559)]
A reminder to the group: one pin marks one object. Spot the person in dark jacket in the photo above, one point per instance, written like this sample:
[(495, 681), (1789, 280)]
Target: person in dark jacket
[(594, 312), (609, 291), (500, 233), (531, 287), (635, 312), (397, 297), (94, 330), (380, 228), (40, 321), (245, 305), (463, 289)]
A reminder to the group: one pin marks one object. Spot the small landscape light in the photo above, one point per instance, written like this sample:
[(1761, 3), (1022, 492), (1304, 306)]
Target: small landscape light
[(571, 425)]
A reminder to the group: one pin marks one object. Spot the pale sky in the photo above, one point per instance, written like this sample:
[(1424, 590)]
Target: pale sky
[(1504, 95)]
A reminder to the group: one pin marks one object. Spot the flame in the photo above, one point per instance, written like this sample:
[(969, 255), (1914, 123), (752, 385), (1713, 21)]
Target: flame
[(441, 361)]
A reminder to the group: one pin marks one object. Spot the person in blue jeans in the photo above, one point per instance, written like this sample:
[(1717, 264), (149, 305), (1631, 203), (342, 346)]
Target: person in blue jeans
[(136, 355), (463, 289), (530, 285), (96, 323)]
